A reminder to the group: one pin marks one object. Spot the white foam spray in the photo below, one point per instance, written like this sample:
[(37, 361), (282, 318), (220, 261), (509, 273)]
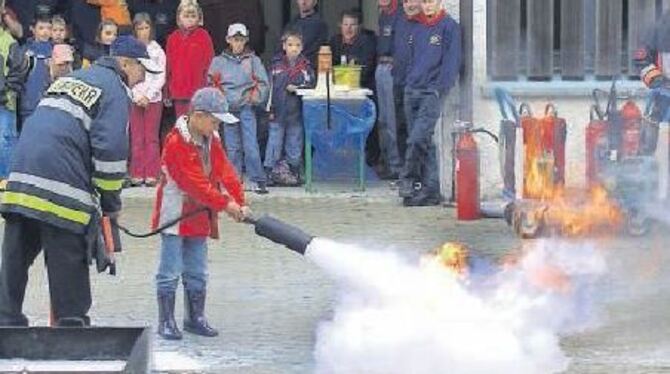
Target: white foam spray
[(395, 316)]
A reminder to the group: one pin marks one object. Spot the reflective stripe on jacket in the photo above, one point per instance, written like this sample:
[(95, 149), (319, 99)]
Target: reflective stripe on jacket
[(71, 156)]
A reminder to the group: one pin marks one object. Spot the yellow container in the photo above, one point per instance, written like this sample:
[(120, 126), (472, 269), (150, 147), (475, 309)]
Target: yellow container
[(347, 75)]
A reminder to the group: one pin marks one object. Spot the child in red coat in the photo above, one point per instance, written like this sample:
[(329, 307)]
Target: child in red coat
[(189, 52), (197, 181)]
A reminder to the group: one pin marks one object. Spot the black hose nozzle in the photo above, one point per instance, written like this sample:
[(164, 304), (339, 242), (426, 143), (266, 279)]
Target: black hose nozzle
[(281, 233)]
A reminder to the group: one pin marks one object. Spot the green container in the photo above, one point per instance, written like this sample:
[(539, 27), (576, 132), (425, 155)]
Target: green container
[(347, 75)]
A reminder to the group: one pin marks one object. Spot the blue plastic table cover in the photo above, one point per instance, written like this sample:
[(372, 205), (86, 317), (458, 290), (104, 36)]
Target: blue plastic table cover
[(337, 145)]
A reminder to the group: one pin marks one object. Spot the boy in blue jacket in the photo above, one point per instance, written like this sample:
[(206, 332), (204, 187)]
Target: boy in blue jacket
[(290, 70), (435, 57), (38, 51), (313, 29), (244, 81)]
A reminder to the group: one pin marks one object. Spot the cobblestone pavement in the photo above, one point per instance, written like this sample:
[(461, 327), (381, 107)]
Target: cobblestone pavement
[(268, 301)]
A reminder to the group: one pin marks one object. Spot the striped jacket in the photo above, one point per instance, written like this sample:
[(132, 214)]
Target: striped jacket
[(70, 160), (188, 184)]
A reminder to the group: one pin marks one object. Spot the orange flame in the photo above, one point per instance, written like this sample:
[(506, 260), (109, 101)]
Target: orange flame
[(584, 213), (573, 212)]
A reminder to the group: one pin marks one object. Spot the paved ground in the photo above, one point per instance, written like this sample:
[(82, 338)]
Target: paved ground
[(268, 301)]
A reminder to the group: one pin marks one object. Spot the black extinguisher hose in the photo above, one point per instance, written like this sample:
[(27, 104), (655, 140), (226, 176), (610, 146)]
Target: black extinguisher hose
[(162, 228), (487, 132)]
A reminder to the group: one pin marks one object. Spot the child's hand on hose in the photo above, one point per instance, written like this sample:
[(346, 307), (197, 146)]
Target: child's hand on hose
[(234, 210), (246, 212)]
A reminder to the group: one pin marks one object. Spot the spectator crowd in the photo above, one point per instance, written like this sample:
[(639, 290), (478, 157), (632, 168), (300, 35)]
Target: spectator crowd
[(218, 43)]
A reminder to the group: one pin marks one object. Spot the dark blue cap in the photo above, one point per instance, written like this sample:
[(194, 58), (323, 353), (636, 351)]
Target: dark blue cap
[(129, 46)]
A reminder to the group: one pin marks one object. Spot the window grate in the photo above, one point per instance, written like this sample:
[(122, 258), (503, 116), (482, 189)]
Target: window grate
[(571, 40)]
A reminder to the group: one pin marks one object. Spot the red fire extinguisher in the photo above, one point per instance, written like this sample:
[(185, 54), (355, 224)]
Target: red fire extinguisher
[(597, 146), (632, 123), (467, 178)]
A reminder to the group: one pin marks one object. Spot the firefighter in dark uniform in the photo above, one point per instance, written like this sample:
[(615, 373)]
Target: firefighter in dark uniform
[(68, 167), (653, 60)]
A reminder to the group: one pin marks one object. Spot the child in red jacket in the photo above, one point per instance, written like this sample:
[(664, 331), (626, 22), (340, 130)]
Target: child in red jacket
[(189, 52), (196, 176)]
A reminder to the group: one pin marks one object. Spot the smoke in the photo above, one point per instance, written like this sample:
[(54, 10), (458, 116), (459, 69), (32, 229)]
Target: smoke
[(394, 315), (660, 213)]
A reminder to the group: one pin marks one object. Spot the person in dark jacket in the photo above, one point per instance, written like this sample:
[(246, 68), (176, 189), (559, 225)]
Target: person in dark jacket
[(69, 164), (38, 51), (388, 134), (352, 46), (163, 14), (28, 10), (13, 70), (653, 61), (402, 40), (219, 14), (85, 20), (431, 73), (313, 29), (107, 33), (289, 71)]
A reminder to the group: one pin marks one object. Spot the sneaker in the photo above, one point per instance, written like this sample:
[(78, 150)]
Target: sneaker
[(423, 198), (285, 178), (150, 182), (408, 188), (260, 188)]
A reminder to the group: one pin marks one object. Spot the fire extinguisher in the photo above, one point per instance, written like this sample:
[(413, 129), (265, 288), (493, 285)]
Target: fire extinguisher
[(467, 177), (632, 123), (544, 150), (597, 146)]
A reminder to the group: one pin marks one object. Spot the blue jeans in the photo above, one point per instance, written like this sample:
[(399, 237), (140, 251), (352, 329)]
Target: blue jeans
[(286, 136), (422, 110), (8, 137), (182, 256), (388, 132), (242, 144), (401, 121)]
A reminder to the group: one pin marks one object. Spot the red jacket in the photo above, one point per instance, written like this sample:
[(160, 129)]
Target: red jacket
[(184, 186), (189, 54)]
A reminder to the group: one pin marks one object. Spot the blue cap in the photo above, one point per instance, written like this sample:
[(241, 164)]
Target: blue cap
[(212, 101), (129, 46)]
